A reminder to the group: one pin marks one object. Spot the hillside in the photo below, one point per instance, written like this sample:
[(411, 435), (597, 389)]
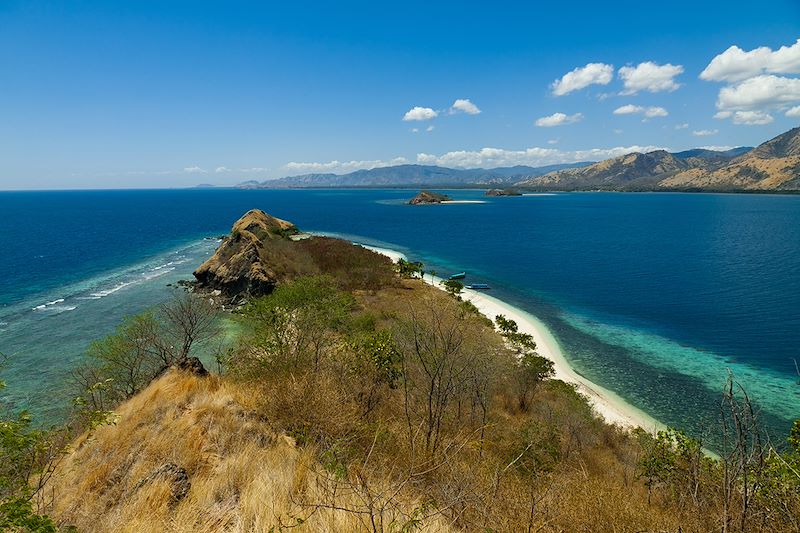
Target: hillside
[(772, 166), (620, 172), (358, 397), (412, 176)]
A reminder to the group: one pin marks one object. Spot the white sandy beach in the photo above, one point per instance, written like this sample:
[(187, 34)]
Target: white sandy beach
[(463, 202), (607, 404)]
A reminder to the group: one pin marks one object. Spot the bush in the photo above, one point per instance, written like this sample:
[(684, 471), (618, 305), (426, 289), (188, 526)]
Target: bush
[(293, 327)]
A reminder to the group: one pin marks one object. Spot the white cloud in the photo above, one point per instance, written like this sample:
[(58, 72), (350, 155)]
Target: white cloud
[(748, 118), (759, 93), (420, 113), (342, 166), (430, 128), (649, 112), (649, 76), (794, 112), (752, 118), (717, 148), (558, 119), (681, 126), (195, 170), (617, 131), (463, 105), (414, 130), (219, 170), (552, 141), (704, 133), (734, 64), (582, 77), (628, 109), (655, 112), (498, 157)]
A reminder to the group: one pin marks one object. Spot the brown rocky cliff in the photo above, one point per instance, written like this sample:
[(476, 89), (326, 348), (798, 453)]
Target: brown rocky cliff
[(239, 265)]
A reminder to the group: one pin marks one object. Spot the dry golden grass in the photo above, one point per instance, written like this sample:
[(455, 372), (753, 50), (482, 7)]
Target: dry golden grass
[(244, 475), (359, 465)]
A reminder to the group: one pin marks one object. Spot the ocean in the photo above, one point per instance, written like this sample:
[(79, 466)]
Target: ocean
[(655, 296)]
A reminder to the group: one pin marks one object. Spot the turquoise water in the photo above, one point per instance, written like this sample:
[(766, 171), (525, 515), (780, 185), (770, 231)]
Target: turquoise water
[(654, 296)]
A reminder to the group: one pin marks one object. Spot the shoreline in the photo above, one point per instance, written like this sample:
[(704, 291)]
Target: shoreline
[(607, 404)]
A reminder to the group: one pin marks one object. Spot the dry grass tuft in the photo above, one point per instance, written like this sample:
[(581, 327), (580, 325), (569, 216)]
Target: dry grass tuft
[(244, 475)]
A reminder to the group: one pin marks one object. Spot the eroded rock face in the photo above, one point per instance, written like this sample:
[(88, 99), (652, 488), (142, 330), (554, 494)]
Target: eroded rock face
[(239, 266), (192, 365), (172, 474)]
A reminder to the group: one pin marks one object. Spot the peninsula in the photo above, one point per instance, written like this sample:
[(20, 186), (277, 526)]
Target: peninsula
[(357, 388)]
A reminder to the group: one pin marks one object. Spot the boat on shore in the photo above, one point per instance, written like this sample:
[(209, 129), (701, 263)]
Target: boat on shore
[(460, 275)]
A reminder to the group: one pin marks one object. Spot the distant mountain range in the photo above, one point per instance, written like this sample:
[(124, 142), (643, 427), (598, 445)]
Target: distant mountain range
[(408, 176), (772, 166)]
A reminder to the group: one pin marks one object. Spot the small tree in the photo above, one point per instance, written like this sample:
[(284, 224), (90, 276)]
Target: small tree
[(410, 269), (453, 287), (532, 368), (28, 457), (293, 327)]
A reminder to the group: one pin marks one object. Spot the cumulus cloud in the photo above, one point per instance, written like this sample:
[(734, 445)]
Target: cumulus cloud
[(463, 105), (734, 64), (649, 112), (195, 170), (752, 118), (219, 170), (342, 166), (759, 93), (430, 128), (498, 157), (681, 126), (704, 133), (420, 113), (651, 77), (628, 109), (794, 112), (582, 77), (558, 119), (748, 118)]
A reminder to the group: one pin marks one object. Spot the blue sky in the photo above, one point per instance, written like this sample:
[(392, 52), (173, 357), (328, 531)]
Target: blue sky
[(163, 94)]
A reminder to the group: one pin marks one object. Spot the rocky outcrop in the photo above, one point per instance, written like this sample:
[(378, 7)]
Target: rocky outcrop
[(240, 266), (427, 197), (172, 474), (193, 365)]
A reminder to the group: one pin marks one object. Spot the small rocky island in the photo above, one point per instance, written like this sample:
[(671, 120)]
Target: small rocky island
[(503, 192), (262, 251), (428, 197)]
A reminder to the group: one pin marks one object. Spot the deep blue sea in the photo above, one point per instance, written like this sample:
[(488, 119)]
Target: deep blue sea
[(654, 296)]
